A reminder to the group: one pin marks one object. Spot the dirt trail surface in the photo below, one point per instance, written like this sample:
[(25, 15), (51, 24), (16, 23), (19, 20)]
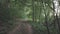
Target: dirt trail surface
[(22, 27)]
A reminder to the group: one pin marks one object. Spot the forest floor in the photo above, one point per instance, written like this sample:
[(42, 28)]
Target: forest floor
[(18, 28)]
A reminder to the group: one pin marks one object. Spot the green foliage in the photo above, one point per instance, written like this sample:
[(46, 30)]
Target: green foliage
[(24, 9)]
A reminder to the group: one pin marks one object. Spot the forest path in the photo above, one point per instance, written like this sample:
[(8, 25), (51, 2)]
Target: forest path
[(21, 26)]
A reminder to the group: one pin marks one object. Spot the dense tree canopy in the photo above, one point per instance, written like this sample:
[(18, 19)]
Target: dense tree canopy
[(41, 14)]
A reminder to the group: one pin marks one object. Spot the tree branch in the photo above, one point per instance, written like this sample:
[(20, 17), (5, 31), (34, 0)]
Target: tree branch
[(50, 7)]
